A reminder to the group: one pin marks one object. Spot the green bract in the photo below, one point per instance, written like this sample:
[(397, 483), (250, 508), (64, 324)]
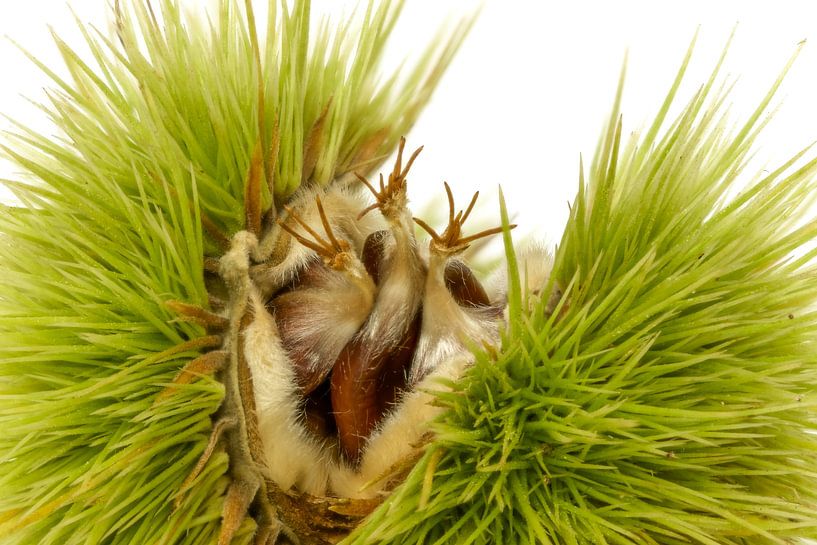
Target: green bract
[(668, 400)]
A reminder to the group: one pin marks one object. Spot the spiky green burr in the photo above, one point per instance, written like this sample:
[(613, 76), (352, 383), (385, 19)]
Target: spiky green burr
[(667, 400)]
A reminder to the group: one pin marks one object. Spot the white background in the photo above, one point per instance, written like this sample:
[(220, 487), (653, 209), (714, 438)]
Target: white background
[(531, 86)]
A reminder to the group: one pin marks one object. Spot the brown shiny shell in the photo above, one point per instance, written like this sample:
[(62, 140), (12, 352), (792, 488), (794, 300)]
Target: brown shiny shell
[(464, 286)]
